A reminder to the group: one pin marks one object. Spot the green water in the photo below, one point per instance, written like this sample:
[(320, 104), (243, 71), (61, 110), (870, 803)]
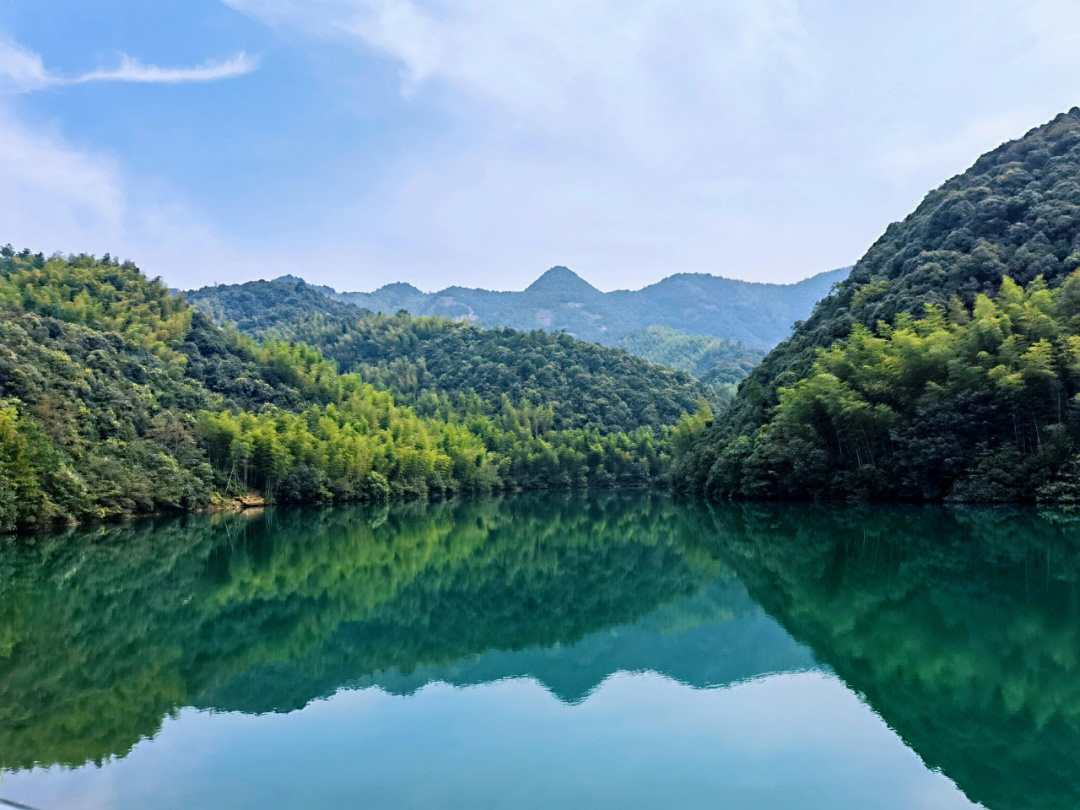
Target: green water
[(600, 651)]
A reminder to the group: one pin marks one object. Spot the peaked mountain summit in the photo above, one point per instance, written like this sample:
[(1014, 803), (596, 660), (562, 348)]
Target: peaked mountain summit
[(756, 315), (562, 283)]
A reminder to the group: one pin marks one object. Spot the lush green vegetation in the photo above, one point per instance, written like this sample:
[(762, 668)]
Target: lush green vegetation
[(756, 315), (442, 367), (106, 631), (116, 398), (974, 404), (929, 373), (716, 362)]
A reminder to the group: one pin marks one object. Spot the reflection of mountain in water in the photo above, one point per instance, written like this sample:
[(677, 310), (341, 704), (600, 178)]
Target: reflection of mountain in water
[(960, 627), (715, 637), (111, 630)]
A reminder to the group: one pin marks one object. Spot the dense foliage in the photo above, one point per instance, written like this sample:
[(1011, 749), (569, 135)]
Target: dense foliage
[(946, 429), (757, 315), (117, 398), (716, 362), (443, 367), (968, 404)]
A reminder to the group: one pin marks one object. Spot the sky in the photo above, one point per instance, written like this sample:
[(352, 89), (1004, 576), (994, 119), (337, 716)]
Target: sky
[(361, 142)]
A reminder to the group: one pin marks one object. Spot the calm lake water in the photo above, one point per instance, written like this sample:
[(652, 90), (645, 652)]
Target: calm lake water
[(593, 651)]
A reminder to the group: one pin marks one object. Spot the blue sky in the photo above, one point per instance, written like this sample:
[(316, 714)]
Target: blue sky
[(358, 142)]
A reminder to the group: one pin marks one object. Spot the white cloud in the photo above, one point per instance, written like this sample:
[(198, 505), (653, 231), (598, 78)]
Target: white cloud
[(60, 197), (651, 74), (595, 133), (22, 70), (53, 187), (633, 138), (627, 138), (132, 70)]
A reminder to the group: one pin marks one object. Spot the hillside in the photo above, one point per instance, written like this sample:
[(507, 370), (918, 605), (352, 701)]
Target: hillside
[(756, 315), (118, 398), (951, 368), (716, 362), (435, 363)]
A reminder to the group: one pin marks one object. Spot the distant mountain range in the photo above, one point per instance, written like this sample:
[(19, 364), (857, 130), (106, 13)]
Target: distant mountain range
[(757, 315)]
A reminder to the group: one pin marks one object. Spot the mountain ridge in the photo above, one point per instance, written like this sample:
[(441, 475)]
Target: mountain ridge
[(756, 314), (583, 384)]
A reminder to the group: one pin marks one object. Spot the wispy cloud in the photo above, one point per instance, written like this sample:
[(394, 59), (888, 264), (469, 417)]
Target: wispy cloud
[(132, 70), (67, 197), (22, 70), (648, 73), (627, 138), (638, 137)]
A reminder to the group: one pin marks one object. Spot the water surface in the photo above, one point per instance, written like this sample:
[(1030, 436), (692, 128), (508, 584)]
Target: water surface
[(603, 650)]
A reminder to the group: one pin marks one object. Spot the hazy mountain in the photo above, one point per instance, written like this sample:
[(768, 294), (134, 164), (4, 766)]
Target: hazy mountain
[(754, 314)]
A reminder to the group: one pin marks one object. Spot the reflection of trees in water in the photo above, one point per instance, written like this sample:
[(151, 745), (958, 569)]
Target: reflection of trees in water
[(107, 631), (960, 627)]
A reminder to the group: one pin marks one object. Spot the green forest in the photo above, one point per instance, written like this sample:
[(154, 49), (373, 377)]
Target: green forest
[(118, 398), (716, 362), (442, 367), (943, 367), (972, 404), (946, 366)]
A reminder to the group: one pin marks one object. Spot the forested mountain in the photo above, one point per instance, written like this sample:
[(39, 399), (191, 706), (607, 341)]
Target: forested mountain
[(117, 397), (716, 362), (437, 365), (947, 365), (756, 315)]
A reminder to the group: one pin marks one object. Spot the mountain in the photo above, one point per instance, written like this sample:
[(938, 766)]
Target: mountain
[(434, 364), (947, 364), (117, 397), (756, 315), (562, 285), (716, 362)]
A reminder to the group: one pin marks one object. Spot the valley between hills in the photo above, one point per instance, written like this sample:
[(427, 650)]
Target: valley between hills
[(944, 366)]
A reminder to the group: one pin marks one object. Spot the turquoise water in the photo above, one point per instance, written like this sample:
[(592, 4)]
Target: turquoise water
[(539, 651)]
